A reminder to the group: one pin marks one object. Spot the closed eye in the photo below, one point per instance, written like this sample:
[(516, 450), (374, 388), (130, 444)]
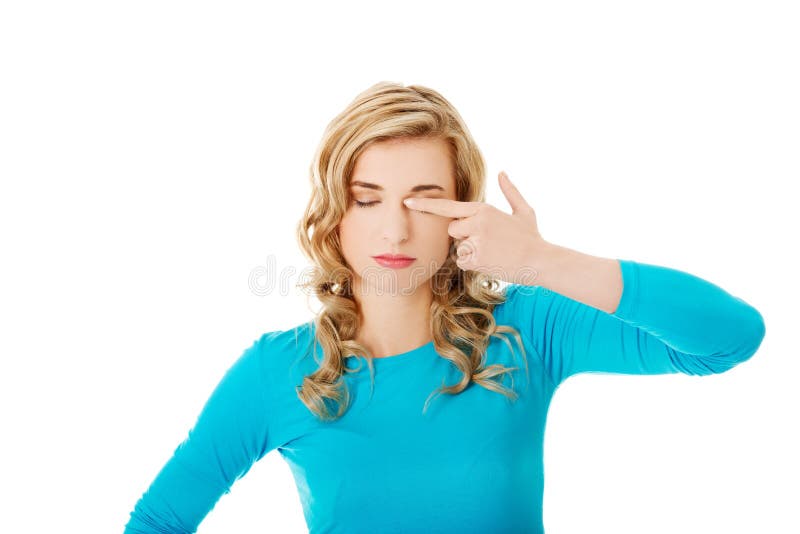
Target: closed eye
[(370, 204)]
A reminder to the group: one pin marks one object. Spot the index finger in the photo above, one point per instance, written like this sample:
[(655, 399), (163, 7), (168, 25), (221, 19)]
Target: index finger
[(443, 206)]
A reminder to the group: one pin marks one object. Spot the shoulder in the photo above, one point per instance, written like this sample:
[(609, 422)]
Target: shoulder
[(518, 298), (283, 341), (515, 291), (277, 351)]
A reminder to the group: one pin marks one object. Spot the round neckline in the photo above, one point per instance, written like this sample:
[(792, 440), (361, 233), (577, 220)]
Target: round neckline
[(386, 361), (402, 356)]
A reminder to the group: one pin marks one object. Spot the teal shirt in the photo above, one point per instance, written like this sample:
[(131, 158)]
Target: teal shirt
[(474, 461)]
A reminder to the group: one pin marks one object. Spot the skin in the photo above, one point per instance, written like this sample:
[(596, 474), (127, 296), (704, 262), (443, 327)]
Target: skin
[(510, 247), (395, 303)]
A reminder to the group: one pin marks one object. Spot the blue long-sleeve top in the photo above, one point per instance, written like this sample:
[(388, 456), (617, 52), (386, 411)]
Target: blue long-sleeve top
[(472, 462)]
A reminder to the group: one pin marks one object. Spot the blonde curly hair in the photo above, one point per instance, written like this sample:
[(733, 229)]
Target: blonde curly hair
[(461, 311)]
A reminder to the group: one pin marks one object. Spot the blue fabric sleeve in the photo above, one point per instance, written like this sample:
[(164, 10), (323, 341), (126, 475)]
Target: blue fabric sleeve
[(667, 321), (229, 435)]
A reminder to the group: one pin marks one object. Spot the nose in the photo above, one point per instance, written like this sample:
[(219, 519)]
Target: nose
[(396, 223)]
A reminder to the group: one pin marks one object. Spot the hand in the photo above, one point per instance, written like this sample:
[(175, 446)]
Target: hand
[(492, 241)]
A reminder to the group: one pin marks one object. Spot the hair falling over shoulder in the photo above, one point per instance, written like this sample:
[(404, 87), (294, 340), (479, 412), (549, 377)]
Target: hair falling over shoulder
[(461, 312)]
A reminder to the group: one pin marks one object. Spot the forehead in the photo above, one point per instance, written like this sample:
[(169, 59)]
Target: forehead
[(409, 164)]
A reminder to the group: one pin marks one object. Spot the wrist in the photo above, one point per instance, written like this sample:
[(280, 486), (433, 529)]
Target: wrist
[(539, 257)]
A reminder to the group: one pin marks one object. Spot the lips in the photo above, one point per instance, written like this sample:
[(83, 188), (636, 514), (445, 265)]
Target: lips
[(394, 257), (394, 261)]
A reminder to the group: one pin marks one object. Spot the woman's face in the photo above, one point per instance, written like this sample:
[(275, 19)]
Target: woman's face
[(386, 173)]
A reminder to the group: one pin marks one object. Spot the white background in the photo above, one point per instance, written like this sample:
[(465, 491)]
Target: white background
[(154, 154)]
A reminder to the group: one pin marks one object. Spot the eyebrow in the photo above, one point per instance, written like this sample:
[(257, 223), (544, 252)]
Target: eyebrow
[(415, 189)]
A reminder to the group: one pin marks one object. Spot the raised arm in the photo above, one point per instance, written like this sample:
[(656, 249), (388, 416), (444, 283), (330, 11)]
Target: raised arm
[(592, 314), (665, 321), (230, 434)]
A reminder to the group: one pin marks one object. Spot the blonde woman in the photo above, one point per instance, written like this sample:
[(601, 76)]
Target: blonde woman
[(442, 430)]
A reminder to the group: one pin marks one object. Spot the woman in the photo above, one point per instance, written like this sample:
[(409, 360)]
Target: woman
[(398, 174)]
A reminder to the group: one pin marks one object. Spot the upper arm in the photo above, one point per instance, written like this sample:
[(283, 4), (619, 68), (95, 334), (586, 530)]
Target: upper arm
[(230, 433), (668, 321), (572, 337)]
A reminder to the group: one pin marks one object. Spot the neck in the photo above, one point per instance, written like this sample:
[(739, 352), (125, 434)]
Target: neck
[(393, 323)]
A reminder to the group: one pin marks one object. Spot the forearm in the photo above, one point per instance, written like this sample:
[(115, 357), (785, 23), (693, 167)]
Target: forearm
[(591, 280)]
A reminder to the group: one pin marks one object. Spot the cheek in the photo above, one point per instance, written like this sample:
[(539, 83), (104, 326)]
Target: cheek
[(347, 232), (350, 224), (438, 240)]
